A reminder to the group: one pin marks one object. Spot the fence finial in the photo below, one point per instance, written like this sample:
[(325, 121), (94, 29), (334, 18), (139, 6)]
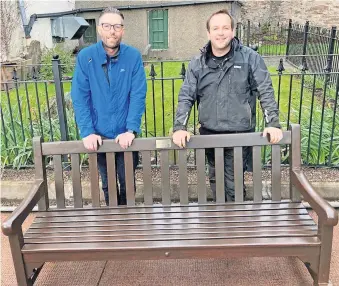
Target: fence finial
[(14, 75), (183, 70), (281, 66), (34, 76), (152, 73), (304, 66)]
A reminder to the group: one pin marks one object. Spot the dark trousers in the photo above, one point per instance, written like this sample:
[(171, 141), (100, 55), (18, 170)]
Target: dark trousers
[(120, 169), (228, 166)]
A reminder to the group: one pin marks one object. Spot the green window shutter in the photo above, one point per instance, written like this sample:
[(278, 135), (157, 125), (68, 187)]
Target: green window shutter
[(165, 29), (158, 29)]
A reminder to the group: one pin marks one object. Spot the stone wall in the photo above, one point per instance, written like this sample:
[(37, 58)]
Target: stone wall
[(323, 13)]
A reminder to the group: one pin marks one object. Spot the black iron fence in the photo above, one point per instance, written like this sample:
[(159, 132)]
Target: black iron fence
[(269, 39), (288, 39), (43, 107)]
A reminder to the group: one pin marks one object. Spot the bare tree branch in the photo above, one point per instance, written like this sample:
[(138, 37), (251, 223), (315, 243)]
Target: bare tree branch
[(9, 21)]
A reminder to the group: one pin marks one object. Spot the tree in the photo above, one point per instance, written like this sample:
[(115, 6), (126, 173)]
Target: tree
[(9, 22)]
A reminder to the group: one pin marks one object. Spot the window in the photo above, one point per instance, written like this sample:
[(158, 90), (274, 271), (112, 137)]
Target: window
[(90, 35), (57, 40), (158, 29)]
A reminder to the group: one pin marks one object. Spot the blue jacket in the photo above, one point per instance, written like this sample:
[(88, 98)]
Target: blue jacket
[(110, 103)]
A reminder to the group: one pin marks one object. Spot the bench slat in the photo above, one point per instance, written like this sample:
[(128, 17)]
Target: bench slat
[(276, 173), (219, 175), (190, 222), (147, 177), (174, 237), (228, 207), (174, 231), (130, 179), (201, 176), (257, 182), (155, 249), (183, 181), (76, 181), (301, 224), (59, 181), (112, 179), (165, 182), (94, 177), (171, 216), (238, 174), (148, 144)]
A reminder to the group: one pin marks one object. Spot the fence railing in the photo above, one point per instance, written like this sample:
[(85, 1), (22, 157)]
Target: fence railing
[(288, 39), (43, 107), (270, 39)]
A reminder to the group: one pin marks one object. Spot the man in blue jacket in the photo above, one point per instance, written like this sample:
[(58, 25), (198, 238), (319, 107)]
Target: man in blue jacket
[(108, 93)]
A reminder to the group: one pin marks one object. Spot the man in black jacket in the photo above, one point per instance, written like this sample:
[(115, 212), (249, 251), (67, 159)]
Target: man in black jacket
[(225, 79)]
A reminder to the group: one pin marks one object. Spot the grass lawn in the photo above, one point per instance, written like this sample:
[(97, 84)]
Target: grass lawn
[(272, 50)]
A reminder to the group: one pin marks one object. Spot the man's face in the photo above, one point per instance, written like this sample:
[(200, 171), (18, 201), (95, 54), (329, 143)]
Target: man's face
[(111, 36), (220, 33)]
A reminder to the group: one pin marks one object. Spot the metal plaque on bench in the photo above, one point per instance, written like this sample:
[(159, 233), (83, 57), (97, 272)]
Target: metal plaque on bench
[(163, 143)]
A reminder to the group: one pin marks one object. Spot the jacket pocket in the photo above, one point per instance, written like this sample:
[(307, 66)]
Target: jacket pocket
[(239, 116), (202, 111)]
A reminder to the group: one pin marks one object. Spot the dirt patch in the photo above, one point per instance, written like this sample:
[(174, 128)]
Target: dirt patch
[(313, 174)]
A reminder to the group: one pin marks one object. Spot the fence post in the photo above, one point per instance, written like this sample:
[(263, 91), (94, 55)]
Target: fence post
[(237, 30), (331, 49), (288, 37), (306, 28), (59, 90), (248, 32)]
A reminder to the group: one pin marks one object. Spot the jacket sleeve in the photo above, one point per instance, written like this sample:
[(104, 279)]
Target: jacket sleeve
[(261, 82), (187, 97), (81, 98), (137, 97)]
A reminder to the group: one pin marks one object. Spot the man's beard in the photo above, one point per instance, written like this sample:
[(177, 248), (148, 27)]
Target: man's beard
[(114, 47)]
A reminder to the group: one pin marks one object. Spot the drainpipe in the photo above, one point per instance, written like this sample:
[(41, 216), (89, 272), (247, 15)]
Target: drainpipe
[(22, 12)]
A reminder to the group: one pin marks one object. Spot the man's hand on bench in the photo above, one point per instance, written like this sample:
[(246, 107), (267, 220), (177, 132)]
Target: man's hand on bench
[(180, 137), (275, 134), (91, 142), (125, 139)]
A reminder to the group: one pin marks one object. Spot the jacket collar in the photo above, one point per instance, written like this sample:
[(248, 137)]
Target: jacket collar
[(102, 53), (206, 52)]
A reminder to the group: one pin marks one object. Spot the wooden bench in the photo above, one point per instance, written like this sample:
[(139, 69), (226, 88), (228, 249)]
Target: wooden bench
[(167, 231)]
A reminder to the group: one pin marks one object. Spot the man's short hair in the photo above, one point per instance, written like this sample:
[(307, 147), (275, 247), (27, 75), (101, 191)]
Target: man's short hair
[(111, 10), (223, 11)]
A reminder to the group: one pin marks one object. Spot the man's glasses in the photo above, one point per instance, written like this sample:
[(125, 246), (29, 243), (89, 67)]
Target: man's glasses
[(116, 27)]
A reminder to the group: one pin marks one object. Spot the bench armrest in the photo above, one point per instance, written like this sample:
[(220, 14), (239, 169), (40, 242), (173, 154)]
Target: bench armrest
[(326, 213), (14, 221)]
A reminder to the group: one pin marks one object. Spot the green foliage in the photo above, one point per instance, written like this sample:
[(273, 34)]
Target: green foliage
[(66, 58)]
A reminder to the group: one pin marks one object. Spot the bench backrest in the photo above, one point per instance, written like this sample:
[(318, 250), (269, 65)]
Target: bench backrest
[(164, 146)]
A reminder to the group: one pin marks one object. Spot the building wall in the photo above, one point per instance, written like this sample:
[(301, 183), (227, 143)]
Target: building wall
[(41, 30), (187, 32), (186, 28), (323, 13)]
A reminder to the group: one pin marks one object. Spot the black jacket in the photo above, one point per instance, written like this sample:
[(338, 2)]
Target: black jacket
[(226, 93)]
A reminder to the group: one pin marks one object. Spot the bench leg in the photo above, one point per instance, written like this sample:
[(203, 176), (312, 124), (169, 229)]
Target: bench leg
[(312, 265), (33, 270), (323, 275), (16, 243)]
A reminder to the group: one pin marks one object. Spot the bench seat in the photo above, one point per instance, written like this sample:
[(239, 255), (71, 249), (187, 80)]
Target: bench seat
[(160, 231)]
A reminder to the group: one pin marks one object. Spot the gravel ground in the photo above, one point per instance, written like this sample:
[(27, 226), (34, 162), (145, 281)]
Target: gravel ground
[(313, 174)]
